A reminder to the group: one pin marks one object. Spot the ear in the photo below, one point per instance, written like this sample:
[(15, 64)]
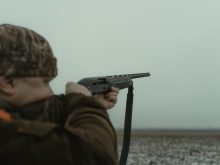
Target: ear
[(6, 86)]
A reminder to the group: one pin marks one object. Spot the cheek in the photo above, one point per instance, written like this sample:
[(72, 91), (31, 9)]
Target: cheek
[(20, 95), (20, 89), (35, 82)]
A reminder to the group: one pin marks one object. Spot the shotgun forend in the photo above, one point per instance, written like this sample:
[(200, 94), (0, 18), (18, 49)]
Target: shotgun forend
[(104, 83)]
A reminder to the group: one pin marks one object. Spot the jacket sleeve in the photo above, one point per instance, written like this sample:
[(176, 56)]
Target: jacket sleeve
[(89, 121)]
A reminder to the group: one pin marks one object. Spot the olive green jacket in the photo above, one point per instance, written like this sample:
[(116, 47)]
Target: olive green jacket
[(62, 130)]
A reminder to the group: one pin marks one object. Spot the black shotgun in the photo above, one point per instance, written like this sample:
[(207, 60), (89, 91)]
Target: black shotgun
[(103, 84)]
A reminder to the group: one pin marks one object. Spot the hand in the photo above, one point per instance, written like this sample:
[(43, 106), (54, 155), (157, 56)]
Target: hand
[(108, 100), (72, 87)]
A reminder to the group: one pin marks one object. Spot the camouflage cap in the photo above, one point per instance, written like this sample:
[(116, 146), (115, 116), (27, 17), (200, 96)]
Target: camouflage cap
[(24, 53)]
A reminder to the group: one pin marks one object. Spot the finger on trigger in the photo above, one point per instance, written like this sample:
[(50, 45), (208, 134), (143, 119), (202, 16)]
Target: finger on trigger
[(114, 89)]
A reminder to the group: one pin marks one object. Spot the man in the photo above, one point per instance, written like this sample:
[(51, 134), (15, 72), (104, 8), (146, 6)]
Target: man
[(38, 127)]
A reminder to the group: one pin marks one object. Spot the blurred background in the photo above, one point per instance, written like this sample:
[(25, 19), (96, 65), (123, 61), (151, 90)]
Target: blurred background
[(178, 42)]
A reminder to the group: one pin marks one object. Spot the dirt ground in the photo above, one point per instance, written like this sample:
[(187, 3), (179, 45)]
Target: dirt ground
[(173, 150)]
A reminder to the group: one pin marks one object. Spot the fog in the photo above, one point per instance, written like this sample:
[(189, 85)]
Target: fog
[(176, 41)]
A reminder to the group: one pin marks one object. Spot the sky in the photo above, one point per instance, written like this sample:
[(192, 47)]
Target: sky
[(177, 41)]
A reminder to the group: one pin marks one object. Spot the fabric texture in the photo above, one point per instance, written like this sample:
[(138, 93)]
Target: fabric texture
[(66, 130), (25, 53)]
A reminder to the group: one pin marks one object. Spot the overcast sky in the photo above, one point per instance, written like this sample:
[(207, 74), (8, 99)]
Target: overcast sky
[(177, 41)]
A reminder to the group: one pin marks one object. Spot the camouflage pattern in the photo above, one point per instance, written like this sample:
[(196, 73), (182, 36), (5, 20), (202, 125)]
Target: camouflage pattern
[(24, 53)]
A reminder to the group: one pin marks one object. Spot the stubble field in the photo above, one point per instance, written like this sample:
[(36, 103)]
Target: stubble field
[(173, 148)]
